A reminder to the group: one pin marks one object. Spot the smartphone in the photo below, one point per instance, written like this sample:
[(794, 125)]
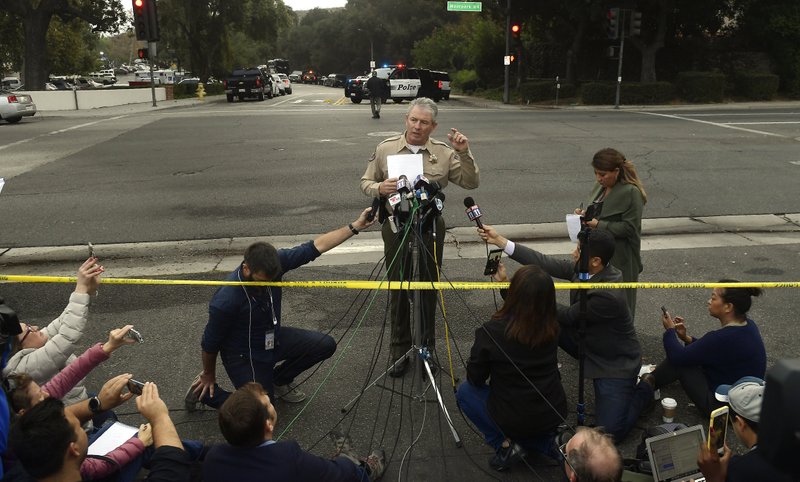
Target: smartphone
[(135, 386), (376, 205), (664, 310), (492, 262), (134, 335), (717, 429), (91, 250)]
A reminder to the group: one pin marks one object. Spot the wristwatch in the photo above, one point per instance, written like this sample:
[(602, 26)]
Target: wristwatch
[(94, 405)]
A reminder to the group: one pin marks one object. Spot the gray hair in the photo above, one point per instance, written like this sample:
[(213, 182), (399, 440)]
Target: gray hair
[(426, 104)]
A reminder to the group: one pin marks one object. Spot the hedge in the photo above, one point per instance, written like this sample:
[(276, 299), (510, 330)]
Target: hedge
[(756, 85), (701, 86), (544, 90), (631, 93)]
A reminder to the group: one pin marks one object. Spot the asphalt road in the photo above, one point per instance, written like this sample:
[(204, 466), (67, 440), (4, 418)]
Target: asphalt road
[(219, 170), (291, 165)]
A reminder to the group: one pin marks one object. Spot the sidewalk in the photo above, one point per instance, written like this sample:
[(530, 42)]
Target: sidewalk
[(214, 255)]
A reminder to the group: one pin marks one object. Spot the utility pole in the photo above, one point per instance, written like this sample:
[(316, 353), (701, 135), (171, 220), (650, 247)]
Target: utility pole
[(506, 99)]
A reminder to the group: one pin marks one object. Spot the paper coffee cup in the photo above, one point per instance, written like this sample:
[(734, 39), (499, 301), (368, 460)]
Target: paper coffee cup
[(669, 405)]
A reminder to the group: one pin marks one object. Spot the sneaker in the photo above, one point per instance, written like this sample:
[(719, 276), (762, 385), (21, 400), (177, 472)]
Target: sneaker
[(400, 368), (289, 393), (375, 464), (191, 400), (343, 446), (506, 457)]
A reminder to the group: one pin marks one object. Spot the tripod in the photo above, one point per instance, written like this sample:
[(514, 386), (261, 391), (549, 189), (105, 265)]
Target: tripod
[(420, 356)]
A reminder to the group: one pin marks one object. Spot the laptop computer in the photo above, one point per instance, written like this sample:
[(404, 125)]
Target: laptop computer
[(673, 455)]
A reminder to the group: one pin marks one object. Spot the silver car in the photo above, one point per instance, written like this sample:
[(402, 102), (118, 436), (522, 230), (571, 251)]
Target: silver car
[(14, 106)]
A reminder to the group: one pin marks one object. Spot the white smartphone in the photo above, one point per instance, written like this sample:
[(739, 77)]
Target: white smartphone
[(717, 429)]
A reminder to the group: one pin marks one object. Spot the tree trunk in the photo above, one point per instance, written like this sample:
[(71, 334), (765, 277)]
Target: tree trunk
[(649, 63), (36, 24)]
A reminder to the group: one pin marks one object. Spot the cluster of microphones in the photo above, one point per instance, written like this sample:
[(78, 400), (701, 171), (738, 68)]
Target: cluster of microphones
[(426, 196)]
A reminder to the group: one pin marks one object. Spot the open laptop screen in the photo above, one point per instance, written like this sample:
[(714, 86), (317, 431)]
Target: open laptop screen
[(673, 456)]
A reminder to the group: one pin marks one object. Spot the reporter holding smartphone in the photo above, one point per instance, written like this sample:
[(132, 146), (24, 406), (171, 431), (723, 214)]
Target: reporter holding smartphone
[(719, 357)]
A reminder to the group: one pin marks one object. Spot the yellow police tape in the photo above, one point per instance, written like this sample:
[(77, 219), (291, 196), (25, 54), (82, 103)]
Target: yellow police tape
[(397, 285)]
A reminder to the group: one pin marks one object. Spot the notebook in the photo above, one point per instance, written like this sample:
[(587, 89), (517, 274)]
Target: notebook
[(673, 456)]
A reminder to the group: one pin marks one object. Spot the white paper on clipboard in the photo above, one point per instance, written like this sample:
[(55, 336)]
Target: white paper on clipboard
[(409, 165)]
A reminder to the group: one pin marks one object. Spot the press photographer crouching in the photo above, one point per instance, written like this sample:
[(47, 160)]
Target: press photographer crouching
[(516, 351)]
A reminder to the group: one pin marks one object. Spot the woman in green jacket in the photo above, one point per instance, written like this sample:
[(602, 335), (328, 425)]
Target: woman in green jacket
[(621, 191)]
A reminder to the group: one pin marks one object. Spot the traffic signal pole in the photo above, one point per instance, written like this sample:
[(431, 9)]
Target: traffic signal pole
[(621, 52), (151, 47), (508, 48)]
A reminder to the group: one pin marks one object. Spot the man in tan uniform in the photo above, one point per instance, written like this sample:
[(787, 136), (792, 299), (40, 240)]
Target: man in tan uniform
[(440, 163)]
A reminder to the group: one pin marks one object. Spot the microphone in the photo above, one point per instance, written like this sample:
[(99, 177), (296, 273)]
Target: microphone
[(403, 186), (421, 188), (473, 211)]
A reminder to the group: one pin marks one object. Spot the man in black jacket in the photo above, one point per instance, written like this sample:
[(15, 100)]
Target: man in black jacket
[(376, 87), (612, 351)]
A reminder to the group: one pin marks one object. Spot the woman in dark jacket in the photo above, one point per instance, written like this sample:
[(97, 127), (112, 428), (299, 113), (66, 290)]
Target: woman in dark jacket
[(515, 351)]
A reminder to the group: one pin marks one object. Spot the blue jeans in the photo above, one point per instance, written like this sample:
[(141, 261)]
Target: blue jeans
[(472, 399), (298, 349), (618, 403)]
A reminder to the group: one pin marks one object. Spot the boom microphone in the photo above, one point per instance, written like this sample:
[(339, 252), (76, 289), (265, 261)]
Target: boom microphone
[(473, 211)]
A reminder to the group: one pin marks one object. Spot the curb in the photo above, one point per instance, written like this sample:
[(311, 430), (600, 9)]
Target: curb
[(461, 237)]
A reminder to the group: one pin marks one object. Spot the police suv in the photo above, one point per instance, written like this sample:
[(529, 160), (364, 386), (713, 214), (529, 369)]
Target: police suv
[(404, 82)]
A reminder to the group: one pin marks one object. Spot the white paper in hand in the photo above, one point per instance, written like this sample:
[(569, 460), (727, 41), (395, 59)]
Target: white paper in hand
[(573, 227), (409, 165), (113, 437)]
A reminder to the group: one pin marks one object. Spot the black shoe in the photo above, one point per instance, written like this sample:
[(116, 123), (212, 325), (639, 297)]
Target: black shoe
[(400, 368), (377, 116), (506, 457)]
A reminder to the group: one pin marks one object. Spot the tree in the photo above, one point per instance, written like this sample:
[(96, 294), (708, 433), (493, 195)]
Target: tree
[(102, 15), (774, 26)]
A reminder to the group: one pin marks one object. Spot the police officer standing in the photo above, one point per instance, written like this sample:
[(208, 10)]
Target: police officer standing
[(440, 163)]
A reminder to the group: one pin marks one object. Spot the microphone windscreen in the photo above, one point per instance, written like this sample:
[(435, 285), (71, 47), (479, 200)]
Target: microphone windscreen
[(469, 202)]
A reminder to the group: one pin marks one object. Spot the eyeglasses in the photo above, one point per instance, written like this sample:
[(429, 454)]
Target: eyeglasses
[(563, 450), (28, 330)]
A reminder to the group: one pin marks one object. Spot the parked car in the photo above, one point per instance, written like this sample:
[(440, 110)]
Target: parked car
[(84, 83), (309, 77), (246, 83), (321, 79), (296, 76), (443, 79), (278, 83), (404, 84), (10, 83), (356, 89), (13, 106), (335, 80), (287, 84)]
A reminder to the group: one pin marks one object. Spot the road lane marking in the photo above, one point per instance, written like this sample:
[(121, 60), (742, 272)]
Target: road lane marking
[(760, 123), (60, 131), (717, 124)]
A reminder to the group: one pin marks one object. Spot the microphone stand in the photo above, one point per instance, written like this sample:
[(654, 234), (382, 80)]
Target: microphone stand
[(422, 361)]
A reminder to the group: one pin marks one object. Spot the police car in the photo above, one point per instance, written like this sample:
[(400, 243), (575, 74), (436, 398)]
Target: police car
[(404, 83)]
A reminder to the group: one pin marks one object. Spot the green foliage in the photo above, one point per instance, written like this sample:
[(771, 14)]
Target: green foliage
[(11, 45), (539, 90), (444, 49), (598, 93), (631, 93), (701, 86), (464, 80), (487, 45), (756, 85), (71, 47)]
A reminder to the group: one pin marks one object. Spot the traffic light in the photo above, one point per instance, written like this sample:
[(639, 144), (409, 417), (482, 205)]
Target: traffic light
[(140, 20), (515, 30), (143, 54), (613, 23), (145, 20), (636, 24)]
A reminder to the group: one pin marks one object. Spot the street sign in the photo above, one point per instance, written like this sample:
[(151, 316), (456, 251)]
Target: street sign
[(371, 64), (464, 6), (506, 60)]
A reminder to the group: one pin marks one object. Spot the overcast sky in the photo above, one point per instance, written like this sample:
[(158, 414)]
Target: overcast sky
[(309, 4)]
